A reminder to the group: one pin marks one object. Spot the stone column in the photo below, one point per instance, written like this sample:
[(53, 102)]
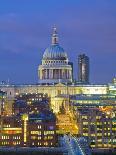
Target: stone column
[(53, 73), (69, 74), (45, 73), (50, 73), (59, 73), (63, 73), (40, 73), (66, 74)]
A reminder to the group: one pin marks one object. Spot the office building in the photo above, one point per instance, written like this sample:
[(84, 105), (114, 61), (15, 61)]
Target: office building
[(35, 130), (98, 126), (83, 69)]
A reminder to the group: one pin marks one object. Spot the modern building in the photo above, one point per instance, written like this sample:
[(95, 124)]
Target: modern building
[(83, 69), (6, 100), (55, 65), (112, 87), (2, 102), (11, 132), (99, 127), (32, 122), (42, 129), (97, 100), (35, 130), (30, 103)]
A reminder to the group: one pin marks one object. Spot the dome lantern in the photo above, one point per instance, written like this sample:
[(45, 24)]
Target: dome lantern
[(54, 37), (55, 51)]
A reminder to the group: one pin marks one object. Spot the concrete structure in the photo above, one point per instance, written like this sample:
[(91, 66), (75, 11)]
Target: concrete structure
[(83, 68), (29, 130), (28, 103), (98, 127), (2, 102)]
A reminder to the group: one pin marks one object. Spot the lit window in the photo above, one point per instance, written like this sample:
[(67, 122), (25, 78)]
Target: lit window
[(45, 143), (85, 123), (36, 132), (85, 117), (39, 137), (39, 126)]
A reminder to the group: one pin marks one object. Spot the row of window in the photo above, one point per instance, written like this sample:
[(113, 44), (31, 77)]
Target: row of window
[(99, 124), (7, 137), (84, 101), (45, 143), (5, 143), (98, 134), (6, 125), (48, 137), (14, 143), (100, 145), (39, 137), (48, 132), (47, 62), (85, 127), (39, 132), (35, 137), (36, 132)]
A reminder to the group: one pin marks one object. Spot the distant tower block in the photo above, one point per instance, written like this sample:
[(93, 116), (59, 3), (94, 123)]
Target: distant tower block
[(83, 68)]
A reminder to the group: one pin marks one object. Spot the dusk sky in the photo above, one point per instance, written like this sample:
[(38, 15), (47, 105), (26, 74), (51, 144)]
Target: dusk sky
[(84, 26)]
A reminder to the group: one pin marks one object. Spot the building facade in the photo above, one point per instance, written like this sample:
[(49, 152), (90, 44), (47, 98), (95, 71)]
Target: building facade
[(98, 127), (30, 130), (83, 68), (55, 65)]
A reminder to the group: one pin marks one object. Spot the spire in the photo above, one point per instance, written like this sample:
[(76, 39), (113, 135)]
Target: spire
[(54, 36)]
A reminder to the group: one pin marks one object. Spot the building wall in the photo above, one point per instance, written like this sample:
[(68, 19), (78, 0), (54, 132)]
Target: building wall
[(54, 90), (99, 128), (83, 68), (23, 132), (42, 134)]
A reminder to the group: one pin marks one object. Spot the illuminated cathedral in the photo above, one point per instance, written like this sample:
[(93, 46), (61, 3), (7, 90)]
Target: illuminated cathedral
[(55, 65)]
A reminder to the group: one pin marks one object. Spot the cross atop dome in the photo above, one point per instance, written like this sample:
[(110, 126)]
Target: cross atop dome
[(54, 36)]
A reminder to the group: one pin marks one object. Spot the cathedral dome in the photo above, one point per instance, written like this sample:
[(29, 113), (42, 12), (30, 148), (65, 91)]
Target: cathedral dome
[(54, 52), (55, 65)]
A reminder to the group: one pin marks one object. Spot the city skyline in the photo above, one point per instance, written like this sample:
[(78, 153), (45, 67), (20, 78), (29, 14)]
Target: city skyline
[(26, 32), (58, 77)]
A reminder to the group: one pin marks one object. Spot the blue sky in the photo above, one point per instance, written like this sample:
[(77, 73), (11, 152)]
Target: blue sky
[(84, 26)]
